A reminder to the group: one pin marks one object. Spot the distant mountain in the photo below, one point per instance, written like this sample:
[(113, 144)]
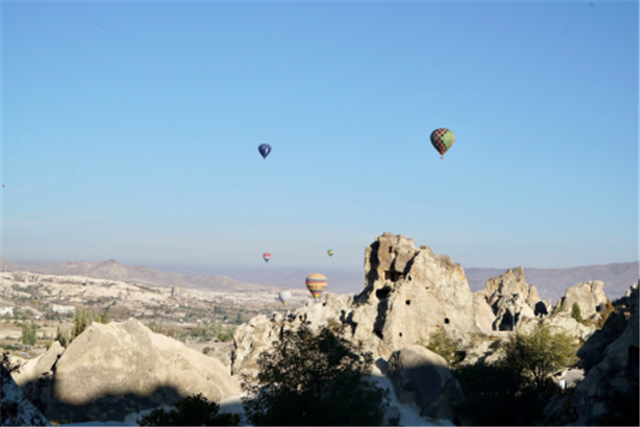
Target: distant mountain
[(553, 282), (114, 270)]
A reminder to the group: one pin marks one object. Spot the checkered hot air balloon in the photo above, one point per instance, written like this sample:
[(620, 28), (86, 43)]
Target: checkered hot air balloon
[(316, 283), (442, 139)]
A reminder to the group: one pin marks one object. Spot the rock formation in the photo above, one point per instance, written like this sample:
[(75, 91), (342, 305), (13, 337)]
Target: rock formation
[(589, 296), (512, 300), (112, 370), (410, 293), (616, 371), (422, 377)]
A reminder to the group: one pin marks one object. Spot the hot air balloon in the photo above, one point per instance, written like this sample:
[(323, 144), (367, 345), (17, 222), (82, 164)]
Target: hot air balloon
[(442, 139), (264, 150), (284, 296), (316, 283), (266, 256), (330, 252)]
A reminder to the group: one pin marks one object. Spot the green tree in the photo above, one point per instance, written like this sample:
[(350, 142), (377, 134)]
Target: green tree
[(105, 317), (193, 410), (81, 320), (537, 355), (63, 337), (310, 379), (575, 313), (29, 333)]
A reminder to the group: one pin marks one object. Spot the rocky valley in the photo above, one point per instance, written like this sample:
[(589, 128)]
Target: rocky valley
[(151, 352)]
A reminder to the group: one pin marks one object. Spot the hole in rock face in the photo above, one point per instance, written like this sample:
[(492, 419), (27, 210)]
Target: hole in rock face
[(400, 333), (383, 293), (446, 320), (408, 302), (393, 276), (390, 249)]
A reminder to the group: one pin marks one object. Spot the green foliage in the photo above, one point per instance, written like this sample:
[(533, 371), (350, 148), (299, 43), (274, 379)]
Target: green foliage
[(193, 410), (535, 356), (63, 337), (575, 313), (81, 320), (311, 379), (29, 334), (225, 336), (105, 317), (447, 347)]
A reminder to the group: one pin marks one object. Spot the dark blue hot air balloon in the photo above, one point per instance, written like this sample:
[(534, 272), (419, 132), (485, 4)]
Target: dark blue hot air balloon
[(264, 149)]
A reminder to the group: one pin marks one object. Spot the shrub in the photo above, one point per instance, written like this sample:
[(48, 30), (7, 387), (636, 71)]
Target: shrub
[(311, 379), (193, 410), (447, 347), (575, 313)]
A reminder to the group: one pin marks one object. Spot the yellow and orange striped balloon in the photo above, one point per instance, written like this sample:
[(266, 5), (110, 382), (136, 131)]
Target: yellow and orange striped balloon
[(316, 283)]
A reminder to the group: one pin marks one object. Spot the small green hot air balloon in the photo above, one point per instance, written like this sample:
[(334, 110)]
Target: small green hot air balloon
[(330, 252), (442, 139)]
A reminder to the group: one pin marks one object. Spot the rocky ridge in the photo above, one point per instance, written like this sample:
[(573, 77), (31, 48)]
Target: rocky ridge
[(411, 293)]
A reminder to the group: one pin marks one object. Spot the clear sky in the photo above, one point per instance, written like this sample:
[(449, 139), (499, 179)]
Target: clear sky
[(130, 131)]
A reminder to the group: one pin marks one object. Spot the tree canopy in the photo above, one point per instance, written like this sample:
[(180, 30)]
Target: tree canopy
[(314, 379)]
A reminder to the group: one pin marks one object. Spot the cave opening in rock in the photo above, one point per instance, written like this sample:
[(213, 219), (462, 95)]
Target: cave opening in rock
[(393, 276), (383, 293)]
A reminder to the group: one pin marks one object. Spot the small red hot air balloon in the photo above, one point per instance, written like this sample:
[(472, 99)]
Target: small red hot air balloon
[(266, 256)]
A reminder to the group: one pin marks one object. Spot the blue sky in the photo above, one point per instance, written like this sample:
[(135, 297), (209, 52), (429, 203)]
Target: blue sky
[(130, 131)]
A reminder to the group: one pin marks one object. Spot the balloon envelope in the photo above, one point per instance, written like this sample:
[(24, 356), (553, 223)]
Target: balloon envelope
[(316, 283), (442, 139), (284, 296), (264, 150), (266, 256), (330, 252)]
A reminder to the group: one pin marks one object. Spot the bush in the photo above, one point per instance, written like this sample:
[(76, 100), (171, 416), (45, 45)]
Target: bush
[(193, 410), (316, 380), (447, 347), (225, 336), (575, 313)]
